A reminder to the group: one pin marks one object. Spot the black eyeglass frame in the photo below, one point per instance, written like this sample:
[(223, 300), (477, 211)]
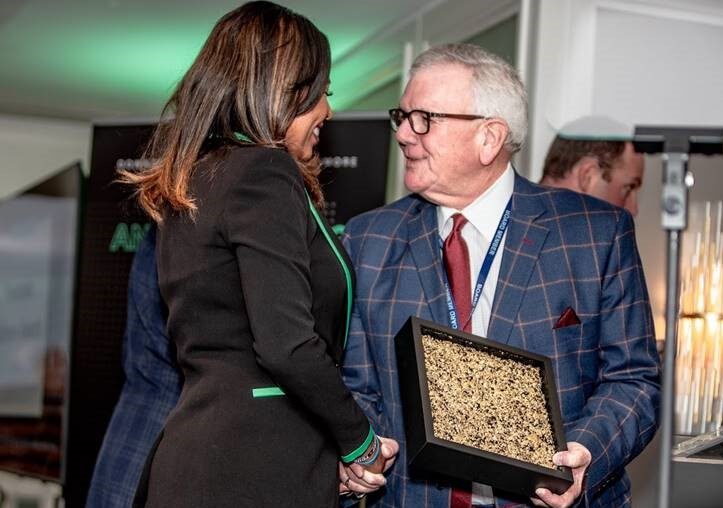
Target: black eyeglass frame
[(427, 115)]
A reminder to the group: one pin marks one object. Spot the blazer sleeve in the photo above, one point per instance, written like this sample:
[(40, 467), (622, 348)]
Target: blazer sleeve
[(358, 370), (361, 376), (621, 415), (266, 219)]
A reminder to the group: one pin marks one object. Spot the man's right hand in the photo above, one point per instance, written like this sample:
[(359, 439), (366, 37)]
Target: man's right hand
[(359, 479)]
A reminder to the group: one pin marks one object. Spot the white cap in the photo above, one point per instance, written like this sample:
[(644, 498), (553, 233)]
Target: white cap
[(596, 128)]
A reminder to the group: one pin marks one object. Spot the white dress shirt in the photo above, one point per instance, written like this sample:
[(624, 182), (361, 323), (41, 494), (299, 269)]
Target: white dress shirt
[(483, 216)]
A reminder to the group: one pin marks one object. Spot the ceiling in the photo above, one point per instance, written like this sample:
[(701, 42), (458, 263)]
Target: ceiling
[(92, 59)]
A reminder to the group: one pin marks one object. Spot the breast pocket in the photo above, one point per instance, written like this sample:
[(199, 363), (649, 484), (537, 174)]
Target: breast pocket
[(568, 337), (577, 355)]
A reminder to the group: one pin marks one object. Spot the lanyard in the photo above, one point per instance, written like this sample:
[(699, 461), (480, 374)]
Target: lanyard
[(484, 271)]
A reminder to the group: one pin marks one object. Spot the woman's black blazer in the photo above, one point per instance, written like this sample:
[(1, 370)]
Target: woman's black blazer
[(259, 297)]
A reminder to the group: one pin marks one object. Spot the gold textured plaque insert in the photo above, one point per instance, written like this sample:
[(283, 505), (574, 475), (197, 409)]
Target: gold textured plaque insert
[(488, 402)]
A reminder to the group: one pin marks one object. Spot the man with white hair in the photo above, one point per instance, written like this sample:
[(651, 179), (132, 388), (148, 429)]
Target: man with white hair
[(565, 281)]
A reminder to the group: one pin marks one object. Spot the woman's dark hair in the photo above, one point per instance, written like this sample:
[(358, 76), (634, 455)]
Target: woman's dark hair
[(262, 66)]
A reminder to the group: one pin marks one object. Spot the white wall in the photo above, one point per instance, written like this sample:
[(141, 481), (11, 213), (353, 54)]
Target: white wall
[(561, 61), (32, 148), (659, 67)]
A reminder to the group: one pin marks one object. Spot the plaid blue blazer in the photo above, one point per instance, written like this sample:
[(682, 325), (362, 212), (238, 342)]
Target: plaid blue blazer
[(151, 389), (562, 249)]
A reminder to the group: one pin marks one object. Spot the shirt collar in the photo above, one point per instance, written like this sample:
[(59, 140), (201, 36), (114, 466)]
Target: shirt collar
[(483, 213)]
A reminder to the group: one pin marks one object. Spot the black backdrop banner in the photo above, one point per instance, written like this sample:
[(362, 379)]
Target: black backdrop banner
[(355, 154)]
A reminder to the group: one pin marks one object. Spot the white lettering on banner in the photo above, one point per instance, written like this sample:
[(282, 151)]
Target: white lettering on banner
[(340, 161), (132, 164)]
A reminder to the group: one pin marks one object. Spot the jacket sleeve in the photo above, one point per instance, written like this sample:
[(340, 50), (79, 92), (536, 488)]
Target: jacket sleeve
[(621, 415), (358, 369), (360, 375), (266, 219)]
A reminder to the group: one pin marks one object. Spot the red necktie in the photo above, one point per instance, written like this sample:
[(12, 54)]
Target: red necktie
[(456, 263)]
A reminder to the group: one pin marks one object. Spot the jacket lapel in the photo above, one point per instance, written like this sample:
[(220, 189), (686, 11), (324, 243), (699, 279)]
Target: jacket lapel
[(525, 239), (424, 246)]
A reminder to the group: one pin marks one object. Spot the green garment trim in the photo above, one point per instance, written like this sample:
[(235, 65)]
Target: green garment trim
[(344, 267), (269, 391), (242, 137), (349, 457)]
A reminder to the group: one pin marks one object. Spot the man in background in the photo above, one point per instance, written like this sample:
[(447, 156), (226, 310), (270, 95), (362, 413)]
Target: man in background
[(594, 155), (151, 389)]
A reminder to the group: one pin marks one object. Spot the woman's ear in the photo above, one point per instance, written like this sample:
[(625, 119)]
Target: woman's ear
[(491, 138)]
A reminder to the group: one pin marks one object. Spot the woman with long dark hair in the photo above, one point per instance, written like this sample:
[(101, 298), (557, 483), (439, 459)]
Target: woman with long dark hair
[(257, 286)]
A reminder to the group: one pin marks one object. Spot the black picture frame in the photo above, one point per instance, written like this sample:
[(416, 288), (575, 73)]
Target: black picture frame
[(431, 455)]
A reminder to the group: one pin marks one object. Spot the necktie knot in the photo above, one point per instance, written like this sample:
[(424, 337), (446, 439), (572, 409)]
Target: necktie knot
[(458, 222)]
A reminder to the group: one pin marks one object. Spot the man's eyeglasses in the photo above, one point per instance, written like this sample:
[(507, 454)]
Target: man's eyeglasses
[(419, 120)]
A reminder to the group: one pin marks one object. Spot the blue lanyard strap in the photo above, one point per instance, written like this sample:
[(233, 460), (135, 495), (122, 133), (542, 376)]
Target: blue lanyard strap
[(484, 271)]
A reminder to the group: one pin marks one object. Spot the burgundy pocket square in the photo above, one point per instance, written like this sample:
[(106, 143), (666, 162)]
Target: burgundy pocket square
[(567, 318)]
